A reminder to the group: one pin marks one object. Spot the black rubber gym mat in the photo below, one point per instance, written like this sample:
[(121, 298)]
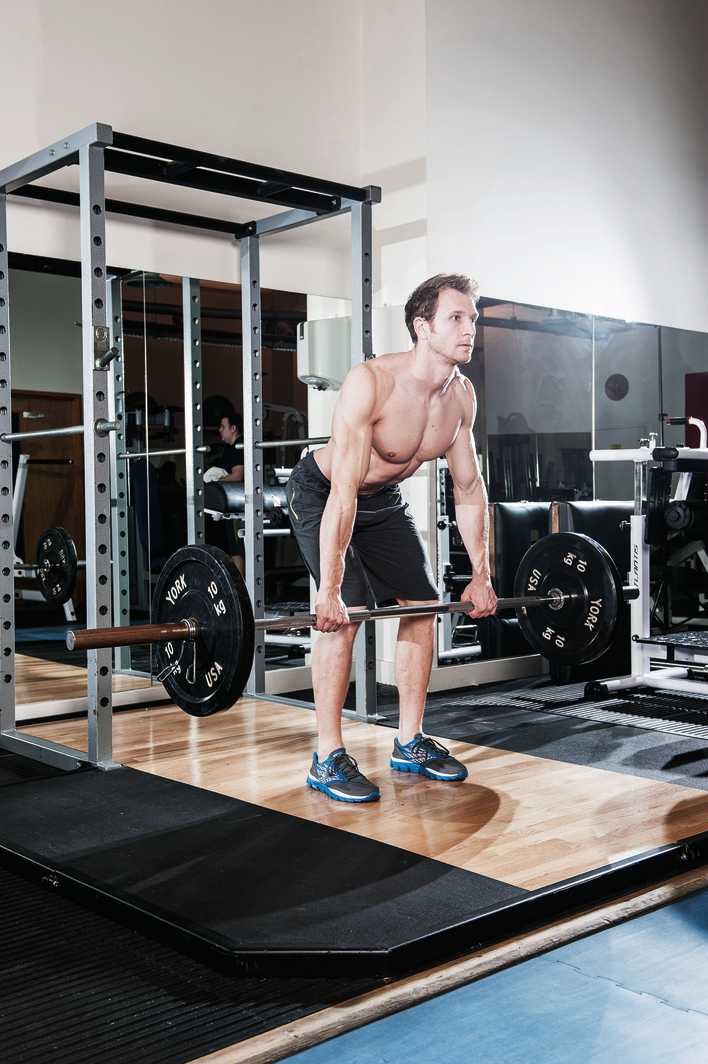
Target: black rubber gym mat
[(529, 720), (243, 877), (76, 988), (15, 769)]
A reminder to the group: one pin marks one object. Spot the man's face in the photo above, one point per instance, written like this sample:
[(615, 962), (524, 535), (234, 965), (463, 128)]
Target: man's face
[(227, 432), (451, 331)]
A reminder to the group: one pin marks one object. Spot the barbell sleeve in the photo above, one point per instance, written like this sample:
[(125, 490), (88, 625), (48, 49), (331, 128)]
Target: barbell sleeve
[(131, 635)]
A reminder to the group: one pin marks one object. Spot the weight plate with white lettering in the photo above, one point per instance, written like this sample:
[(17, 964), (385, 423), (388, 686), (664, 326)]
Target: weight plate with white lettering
[(57, 565), (581, 629), (209, 673)]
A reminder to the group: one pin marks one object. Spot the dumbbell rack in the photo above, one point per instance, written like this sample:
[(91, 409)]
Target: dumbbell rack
[(675, 675)]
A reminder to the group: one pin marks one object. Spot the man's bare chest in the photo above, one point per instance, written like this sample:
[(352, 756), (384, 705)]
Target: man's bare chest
[(410, 430)]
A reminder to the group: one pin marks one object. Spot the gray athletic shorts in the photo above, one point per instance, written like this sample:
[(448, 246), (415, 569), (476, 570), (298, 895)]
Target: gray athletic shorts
[(386, 559)]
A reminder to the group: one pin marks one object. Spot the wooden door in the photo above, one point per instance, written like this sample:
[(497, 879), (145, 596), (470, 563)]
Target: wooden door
[(54, 492)]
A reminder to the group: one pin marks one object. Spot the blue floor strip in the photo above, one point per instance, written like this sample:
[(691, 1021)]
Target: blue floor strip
[(636, 993)]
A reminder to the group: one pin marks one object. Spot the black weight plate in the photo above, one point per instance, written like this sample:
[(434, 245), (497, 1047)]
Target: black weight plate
[(582, 629), (57, 565), (203, 583)]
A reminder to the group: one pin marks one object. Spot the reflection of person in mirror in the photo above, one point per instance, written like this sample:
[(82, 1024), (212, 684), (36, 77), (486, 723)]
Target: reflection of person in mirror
[(229, 468)]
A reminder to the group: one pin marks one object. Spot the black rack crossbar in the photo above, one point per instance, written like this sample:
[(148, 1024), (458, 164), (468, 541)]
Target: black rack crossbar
[(264, 175), (153, 160), (137, 306), (225, 184), (139, 210), (219, 337)]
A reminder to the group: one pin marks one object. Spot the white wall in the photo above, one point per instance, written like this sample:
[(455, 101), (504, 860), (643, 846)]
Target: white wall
[(567, 153), (273, 83), (393, 142), (556, 150)]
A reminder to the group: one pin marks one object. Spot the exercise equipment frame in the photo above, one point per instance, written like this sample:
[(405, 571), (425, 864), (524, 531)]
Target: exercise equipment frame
[(96, 149), (646, 649)]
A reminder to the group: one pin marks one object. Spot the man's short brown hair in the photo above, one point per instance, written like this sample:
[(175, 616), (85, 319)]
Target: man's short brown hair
[(423, 302)]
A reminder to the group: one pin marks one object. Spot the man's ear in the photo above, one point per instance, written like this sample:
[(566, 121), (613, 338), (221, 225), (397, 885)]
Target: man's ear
[(422, 328)]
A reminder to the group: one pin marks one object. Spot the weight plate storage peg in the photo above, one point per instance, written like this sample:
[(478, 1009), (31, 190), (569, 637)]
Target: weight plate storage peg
[(208, 673), (581, 627), (57, 565)]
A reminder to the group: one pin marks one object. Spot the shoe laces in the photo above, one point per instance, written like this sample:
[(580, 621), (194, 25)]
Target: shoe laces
[(430, 748), (345, 764)]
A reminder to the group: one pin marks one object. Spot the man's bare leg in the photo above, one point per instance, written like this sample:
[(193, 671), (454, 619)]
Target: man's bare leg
[(331, 668), (414, 660), (240, 563)]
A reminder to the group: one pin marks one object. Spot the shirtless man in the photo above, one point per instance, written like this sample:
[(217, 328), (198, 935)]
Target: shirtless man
[(360, 541)]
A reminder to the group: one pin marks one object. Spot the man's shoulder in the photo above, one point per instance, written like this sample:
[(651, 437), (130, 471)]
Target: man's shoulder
[(393, 358), (463, 390), (374, 375), (382, 365), (229, 452)]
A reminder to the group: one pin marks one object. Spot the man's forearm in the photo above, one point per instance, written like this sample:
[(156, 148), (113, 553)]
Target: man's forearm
[(335, 535), (234, 475), (473, 525)]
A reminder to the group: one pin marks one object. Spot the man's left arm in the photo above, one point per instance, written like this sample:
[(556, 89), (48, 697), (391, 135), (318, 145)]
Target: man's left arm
[(471, 513), (235, 476)]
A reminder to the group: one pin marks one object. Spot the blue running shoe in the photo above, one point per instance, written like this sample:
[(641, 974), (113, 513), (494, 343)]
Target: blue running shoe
[(428, 758), (338, 777)]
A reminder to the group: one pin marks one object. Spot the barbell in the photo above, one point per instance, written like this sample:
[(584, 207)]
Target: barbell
[(567, 599)]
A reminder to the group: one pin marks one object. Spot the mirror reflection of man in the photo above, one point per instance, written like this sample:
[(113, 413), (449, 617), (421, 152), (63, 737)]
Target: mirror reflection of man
[(228, 468), (230, 432)]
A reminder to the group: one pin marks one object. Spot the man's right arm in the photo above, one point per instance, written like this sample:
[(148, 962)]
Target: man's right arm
[(352, 428)]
